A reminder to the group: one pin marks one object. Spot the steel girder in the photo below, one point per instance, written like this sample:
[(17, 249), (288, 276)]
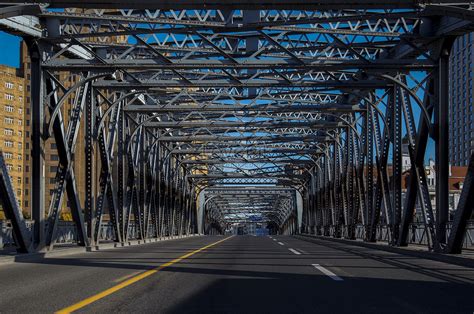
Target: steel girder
[(248, 4), (176, 101), (230, 4)]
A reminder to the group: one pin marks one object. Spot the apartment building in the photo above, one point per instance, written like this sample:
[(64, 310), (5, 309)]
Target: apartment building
[(12, 125), (461, 96)]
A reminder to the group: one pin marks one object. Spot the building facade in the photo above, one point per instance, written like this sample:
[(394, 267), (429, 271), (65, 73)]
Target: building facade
[(12, 126), (461, 106)]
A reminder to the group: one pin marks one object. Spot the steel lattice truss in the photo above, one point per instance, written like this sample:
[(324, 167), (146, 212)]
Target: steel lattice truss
[(265, 205), (310, 97)]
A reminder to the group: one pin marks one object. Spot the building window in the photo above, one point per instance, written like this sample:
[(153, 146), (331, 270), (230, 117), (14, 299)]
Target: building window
[(54, 157), (20, 145), (9, 85), (20, 157), (20, 88), (8, 120), (20, 122), (9, 97), (9, 108), (20, 133), (8, 155), (20, 110), (9, 167), (19, 168), (18, 180), (8, 132), (8, 144), (53, 169)]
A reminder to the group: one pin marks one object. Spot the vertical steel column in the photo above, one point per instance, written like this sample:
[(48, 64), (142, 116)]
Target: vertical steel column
[(351, 219), (159, 193), (335, 196), (37, 149), (370, 226), (442, 146), (121, 188), (319, 202), (327, 196), (397, 163), (312, 204), (360, 183), (343, 186), (140, 181), (90, 166)]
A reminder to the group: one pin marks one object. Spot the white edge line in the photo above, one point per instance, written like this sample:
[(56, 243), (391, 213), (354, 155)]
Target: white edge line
[(327, 272), (295, 251)]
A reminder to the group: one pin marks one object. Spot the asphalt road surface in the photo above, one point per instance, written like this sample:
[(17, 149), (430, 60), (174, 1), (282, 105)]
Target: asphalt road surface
[(242, 274)]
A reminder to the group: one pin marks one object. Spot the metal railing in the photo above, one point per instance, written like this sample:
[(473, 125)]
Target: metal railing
[(66, 233), (417, 234)]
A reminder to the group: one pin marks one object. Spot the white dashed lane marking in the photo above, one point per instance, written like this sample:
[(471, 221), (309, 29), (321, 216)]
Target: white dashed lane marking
[(295, 251), (327, 272)]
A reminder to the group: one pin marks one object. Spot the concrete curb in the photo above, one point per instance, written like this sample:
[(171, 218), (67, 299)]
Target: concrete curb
[(29, 257), (106, 246), (445, 258)]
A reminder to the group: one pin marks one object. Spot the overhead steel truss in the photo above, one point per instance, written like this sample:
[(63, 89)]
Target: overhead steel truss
[(181, 98), (265, 205)]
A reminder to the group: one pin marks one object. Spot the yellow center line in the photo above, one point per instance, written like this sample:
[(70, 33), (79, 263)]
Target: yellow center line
[(127, 276), (107, 292)]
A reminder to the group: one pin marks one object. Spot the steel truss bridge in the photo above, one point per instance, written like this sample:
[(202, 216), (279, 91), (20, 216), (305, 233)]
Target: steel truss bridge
[(198, 114)]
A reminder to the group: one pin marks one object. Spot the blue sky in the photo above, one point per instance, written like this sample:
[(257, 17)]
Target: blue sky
[(9, 50)]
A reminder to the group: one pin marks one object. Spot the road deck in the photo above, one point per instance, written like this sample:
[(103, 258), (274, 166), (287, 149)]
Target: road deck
[(243, 274)]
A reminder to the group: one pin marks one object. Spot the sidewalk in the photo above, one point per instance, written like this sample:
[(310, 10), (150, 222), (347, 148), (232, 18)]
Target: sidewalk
[(9, 255), (465, 259)]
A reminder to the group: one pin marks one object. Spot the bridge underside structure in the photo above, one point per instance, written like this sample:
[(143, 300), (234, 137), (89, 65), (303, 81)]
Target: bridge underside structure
[(200, 114)]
